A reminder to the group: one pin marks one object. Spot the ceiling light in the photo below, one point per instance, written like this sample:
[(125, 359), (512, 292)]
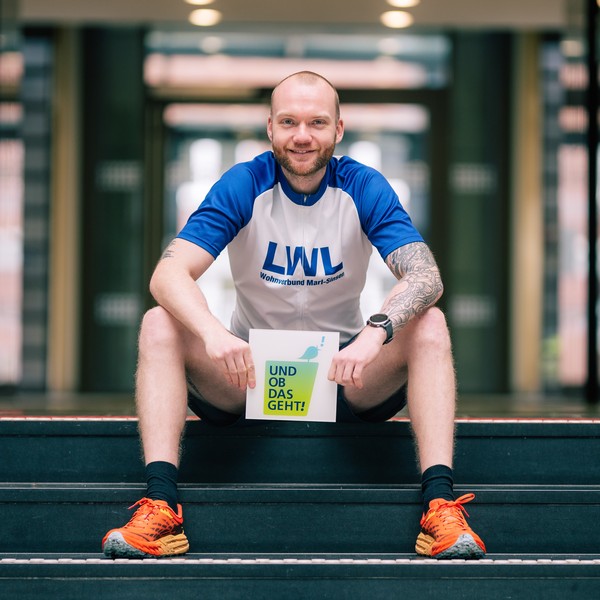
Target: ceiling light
[(199, 2), (404, 3), (397, 19), (205, 17)]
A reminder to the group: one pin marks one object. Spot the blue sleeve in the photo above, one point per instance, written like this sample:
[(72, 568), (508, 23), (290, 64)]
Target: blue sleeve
[(383, 218), (228, 205)]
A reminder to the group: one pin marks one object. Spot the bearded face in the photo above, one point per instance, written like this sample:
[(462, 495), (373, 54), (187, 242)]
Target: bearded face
[(300, 160), (304, 129)]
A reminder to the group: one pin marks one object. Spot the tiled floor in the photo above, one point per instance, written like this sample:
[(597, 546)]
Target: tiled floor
[(517, 406)]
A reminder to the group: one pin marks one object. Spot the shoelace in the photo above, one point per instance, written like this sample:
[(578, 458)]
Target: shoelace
[(450, 517), (150, 509)]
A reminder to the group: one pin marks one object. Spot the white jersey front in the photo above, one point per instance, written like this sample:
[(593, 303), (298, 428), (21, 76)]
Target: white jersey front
[(299, 262)]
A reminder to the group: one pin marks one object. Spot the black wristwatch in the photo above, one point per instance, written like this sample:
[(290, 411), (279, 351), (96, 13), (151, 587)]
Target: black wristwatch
[(381, 320)]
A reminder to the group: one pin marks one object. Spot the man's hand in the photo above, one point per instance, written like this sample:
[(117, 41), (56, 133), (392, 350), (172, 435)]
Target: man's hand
[(232, 356), (348, 365)]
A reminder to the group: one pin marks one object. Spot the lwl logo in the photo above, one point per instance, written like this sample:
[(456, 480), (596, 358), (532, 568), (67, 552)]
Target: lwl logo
[(298, 256)]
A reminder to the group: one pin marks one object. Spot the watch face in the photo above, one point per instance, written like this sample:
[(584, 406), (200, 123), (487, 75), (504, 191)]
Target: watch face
[(378, 318)]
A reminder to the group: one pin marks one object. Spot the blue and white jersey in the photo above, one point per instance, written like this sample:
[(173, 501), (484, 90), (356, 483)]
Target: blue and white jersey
[(298, 261)]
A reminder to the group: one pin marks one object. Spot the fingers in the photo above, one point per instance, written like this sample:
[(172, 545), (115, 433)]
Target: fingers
[(346, 373), (240, 371), (244, 377), (251, 376)]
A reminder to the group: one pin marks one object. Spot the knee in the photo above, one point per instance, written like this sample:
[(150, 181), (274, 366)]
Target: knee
[(431, 330), (158, 329)]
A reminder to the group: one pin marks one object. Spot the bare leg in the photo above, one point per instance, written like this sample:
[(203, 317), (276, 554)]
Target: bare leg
[(167, 351), (161, 393), (422, 352), (432, 390)]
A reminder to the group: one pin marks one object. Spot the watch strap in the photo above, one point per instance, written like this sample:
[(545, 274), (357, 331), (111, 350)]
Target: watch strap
[(387, 325)]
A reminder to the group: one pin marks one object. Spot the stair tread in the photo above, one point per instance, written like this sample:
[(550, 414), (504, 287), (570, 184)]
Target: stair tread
[(201, 566), (290, 493), (399, 426), (277, 558)]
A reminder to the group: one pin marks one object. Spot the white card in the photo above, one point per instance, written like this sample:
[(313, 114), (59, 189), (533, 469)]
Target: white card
[(291, 375)]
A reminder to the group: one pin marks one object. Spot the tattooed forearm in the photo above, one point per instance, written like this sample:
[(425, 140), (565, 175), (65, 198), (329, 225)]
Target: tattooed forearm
[(168, 253), (420, 284)]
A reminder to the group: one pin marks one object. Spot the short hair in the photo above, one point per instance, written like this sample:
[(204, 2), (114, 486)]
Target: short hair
[(310, 77)]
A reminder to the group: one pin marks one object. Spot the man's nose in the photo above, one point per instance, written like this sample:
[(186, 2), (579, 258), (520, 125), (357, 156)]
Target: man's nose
[(302, 134)]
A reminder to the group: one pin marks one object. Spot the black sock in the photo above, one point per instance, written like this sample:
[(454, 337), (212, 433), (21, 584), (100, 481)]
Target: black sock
[(436, 482), (161, 482)]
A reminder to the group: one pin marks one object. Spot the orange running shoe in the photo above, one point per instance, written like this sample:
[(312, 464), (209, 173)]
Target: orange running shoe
[(154, 530), (445, 533)]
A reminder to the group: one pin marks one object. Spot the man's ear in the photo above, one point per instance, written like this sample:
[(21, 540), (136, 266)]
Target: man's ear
[(339, 131), (270, 129)]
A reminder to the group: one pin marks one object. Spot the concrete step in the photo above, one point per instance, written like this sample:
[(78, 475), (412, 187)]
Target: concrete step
[(300, 518), (487, 451), (326, 576), (300, 510)]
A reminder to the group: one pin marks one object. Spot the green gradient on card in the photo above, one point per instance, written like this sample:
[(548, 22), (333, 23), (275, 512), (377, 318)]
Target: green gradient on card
[(289, 387)]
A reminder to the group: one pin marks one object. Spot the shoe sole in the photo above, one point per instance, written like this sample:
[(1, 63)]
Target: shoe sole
[(116, 547), (465, 547)]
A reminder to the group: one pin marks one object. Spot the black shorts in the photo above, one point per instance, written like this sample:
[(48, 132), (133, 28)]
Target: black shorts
[(377, 414)]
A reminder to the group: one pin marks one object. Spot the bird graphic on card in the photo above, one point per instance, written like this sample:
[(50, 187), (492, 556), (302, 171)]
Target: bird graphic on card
[(312, 351)]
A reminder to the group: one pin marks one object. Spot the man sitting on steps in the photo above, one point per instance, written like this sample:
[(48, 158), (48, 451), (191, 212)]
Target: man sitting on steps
[(298, 195)]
